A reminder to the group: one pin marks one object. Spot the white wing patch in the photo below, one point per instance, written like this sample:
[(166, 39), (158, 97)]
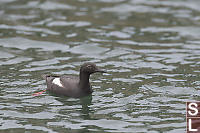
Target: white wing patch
[(57, 82)]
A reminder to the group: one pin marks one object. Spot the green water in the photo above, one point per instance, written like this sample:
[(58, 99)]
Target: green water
[(150, 48)]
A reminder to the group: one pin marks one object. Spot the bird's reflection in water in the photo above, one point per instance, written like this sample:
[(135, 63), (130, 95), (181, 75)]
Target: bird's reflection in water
[(85, 103)]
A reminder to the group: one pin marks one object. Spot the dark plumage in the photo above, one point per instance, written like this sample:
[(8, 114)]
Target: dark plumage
[(72, 86)]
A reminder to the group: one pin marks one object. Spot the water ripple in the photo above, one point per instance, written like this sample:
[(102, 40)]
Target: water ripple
[(23, 44), (150, 50)]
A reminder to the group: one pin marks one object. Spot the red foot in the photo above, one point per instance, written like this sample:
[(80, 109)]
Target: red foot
[(38, 93)]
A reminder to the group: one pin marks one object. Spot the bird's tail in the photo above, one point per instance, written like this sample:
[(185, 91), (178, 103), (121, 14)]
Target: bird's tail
[(44, 76)]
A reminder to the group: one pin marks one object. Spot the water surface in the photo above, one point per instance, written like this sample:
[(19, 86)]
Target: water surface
[(150, 48)]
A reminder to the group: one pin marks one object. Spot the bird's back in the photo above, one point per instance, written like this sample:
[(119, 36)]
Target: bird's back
[(65, 85)]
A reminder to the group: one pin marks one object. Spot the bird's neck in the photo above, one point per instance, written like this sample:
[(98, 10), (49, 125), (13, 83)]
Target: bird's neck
[(84, 79)]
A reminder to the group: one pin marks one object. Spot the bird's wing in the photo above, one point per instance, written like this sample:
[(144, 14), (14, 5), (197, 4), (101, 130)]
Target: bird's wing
[(69, 81)]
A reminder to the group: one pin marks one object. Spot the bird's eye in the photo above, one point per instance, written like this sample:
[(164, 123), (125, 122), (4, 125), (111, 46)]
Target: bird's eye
[(89, 66)]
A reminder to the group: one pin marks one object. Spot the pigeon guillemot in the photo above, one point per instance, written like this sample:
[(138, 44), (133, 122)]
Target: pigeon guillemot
[(72, 86)]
